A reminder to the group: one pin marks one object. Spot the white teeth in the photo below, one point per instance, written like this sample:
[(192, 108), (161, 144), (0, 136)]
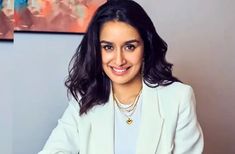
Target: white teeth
[(119, 71)]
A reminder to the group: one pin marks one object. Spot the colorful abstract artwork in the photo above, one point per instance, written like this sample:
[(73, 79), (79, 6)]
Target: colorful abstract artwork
[(6, 19), (59, 16), (70, 16)]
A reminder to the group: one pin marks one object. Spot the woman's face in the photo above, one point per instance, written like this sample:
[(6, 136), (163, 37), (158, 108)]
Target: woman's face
[(121, 52)]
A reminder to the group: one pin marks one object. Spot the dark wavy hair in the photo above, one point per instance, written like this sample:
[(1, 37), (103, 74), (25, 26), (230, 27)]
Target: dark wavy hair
[(86, 79)]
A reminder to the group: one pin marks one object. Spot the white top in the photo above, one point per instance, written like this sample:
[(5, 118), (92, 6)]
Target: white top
[(125, 134), (168, 125)]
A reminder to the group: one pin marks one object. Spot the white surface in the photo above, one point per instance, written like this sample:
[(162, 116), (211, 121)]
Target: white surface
[(34, 70), (6, 76)]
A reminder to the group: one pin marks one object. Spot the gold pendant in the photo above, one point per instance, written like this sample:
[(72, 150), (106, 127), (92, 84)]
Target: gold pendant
[(129, 121)]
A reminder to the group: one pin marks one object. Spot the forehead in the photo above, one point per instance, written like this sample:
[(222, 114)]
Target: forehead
[(116, 30)]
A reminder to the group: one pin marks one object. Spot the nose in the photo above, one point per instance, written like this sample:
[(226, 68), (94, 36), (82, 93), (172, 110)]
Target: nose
[(120, 58)]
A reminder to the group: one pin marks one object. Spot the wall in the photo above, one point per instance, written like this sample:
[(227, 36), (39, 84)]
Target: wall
[(5, 99), (201, 45), (33, 70)]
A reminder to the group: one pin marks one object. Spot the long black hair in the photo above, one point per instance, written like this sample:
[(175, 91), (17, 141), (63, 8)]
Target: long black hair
[(86, 79)]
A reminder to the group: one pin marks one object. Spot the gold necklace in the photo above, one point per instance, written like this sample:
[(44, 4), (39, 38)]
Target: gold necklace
[(130, 109)]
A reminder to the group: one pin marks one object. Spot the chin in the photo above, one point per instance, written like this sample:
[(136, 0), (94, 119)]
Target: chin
[(125, 80)]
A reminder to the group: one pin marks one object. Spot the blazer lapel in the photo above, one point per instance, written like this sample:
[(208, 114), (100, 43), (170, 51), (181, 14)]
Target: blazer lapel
[(151, 122), (103, 129), (102, 126)]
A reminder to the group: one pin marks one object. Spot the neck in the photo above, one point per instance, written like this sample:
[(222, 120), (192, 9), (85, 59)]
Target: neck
[(126, 93)]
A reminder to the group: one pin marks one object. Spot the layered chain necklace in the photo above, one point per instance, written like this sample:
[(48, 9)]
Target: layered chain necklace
[(129, 110)]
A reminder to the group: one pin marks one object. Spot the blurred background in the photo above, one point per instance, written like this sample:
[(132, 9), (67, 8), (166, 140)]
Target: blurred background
[(201, 39)]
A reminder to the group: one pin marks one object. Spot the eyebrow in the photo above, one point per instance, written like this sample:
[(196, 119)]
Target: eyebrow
[(106, 42), (132, 41), (127, 42)]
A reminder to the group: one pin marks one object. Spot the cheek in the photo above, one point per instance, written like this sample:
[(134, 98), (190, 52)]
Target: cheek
[(136, 59), (106, 58)]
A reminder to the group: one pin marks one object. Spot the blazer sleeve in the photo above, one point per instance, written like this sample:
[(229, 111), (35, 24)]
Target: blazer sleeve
[(188, 136), (64, 139)]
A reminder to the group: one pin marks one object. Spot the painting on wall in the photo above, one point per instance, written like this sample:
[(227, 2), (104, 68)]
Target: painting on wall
[(68, 16), (6, 19)]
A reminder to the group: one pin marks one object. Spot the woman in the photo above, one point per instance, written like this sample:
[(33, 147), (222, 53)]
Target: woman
[(125, 98)]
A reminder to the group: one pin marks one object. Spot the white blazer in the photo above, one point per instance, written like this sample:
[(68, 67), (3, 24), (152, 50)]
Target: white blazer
[(168, 125)]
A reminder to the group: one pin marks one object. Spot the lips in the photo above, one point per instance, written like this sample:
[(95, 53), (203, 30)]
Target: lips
[(119, 70)]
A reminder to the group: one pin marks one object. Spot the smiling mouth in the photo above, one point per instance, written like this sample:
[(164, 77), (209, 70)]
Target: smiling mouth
[(119, 70)]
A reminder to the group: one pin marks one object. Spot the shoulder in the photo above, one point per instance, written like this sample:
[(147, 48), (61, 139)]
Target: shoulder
[(176, 90), (74, 108), (73, 104), (175, 96)]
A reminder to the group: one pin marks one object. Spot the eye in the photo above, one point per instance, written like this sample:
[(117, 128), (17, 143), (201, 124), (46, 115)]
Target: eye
[(130, 47), (107, 47)]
